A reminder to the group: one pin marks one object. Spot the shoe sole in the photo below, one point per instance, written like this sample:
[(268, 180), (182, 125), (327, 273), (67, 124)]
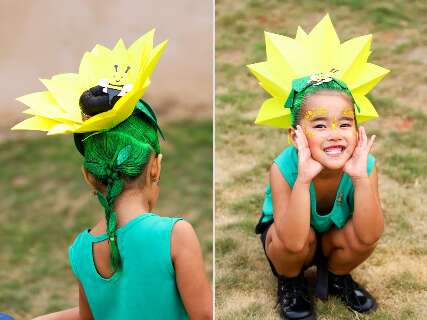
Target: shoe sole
[(311, 317)]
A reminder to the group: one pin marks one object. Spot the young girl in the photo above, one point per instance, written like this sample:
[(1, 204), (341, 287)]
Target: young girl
[(133, 264), (322, 204)]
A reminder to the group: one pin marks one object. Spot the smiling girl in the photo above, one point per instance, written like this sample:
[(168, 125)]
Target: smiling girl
[(322, 204), (323, 196)]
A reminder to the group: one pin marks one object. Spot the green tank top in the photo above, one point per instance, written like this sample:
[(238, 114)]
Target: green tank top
[(145, 287), (343, 206)]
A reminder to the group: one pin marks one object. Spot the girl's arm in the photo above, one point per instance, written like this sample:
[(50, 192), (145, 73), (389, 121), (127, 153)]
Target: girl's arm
[(69, 314), (292, 207), (192, 282), (368, 219), (85, 313)]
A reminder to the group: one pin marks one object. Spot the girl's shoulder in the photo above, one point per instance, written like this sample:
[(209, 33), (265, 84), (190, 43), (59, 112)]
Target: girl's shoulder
[(287, 162), (288, 158)]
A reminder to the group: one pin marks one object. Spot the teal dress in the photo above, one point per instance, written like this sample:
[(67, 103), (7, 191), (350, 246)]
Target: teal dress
[(145, 287), (343, 206)]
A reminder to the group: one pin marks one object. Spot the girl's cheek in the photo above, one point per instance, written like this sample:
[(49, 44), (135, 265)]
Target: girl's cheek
[(308, 133)]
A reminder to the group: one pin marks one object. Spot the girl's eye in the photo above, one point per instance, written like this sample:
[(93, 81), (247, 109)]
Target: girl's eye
[(319, 126), (345, 125)]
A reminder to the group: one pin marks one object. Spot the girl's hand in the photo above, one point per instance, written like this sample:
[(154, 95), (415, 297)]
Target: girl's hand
[(308, 168), (357, 165)]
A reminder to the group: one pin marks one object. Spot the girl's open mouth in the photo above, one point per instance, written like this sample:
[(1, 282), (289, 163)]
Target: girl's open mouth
[(334, 151)]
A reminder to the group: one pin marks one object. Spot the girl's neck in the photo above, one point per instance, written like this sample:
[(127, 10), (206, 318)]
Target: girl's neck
[(128, 205), (327, 174), (131, 203)]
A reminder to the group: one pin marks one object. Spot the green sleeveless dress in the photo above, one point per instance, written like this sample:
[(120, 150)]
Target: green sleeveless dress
[(145, 287), (343, 206)]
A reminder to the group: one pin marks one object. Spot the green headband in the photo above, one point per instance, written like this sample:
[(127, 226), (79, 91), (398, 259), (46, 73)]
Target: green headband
[(313, 83)]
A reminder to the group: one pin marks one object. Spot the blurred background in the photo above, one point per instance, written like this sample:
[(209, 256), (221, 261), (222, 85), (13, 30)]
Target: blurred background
[(44, 200), (395, 274)]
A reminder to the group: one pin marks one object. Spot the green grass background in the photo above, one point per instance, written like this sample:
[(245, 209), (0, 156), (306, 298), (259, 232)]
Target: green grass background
[(45, 203), (396, 273)]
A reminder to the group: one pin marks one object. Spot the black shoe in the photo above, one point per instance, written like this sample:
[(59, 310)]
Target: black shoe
[(293, 299), (351, 293)]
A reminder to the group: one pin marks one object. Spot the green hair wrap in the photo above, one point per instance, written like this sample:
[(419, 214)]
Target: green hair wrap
[(116, 156), (301, 87)]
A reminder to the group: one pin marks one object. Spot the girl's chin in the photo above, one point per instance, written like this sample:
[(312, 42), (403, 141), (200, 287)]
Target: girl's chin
[(332, 163)]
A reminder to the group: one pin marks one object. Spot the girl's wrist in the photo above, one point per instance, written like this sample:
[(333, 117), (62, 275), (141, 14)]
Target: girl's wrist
[(359, 179), (303, 180)]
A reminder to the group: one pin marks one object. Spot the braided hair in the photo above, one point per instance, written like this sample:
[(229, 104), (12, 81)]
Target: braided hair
[(116, 156)]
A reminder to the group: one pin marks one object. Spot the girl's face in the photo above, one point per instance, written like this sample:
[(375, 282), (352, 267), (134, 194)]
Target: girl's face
[(329, 125)]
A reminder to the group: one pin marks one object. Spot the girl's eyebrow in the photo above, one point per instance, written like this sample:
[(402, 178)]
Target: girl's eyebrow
[(326, 119), (320, 118)]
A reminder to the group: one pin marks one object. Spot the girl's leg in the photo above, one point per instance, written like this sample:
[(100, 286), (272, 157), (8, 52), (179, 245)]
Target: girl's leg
[(294, 304), (344, 250), (289, 263)]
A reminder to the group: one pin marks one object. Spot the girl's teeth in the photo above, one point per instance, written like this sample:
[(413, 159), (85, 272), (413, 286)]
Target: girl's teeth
[(333, 150)]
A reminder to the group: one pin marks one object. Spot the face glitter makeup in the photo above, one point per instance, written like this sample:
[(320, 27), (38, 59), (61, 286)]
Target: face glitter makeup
[(310, 114)]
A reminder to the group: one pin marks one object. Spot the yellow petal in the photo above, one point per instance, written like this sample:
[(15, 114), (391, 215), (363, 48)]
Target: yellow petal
[(323, 42), (66, 89), (368, 77), (43, 104), (271, 82), (367, 110), (274, 114), (63, 128), (36, 123), (351, 56)]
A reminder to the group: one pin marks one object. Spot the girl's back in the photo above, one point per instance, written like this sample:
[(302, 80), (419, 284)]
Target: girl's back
[(146, 281)]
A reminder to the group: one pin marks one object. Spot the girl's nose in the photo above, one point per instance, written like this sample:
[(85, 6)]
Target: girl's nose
[(334, 134)]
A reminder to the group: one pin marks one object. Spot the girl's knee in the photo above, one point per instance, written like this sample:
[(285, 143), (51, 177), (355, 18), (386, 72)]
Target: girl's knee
[(354, 243), (359, 247)]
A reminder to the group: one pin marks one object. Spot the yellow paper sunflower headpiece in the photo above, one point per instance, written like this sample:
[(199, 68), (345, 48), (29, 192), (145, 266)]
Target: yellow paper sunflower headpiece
[(314, 58), (120, 72)]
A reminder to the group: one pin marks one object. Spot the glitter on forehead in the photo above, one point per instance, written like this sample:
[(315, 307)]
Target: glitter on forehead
[(348, 112), (320, 111)]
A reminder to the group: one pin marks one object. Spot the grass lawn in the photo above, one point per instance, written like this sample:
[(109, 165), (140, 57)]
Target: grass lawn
[(45, 204), (396, 273)]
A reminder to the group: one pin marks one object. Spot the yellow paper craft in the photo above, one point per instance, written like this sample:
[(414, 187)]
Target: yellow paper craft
[(317, 52), (57, 110)]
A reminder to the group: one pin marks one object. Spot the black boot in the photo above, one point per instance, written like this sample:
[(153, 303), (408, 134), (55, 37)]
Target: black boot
[(293, 299), (351, 293)]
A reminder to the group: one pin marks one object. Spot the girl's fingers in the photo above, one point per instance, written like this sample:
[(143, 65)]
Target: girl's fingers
[(304, 138), (359, 137), (365, 137), (362, 137), (371, 142), (297, 139)]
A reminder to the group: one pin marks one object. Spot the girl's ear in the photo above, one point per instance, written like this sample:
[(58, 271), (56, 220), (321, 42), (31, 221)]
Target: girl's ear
[(292, 136), (154, 169)]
